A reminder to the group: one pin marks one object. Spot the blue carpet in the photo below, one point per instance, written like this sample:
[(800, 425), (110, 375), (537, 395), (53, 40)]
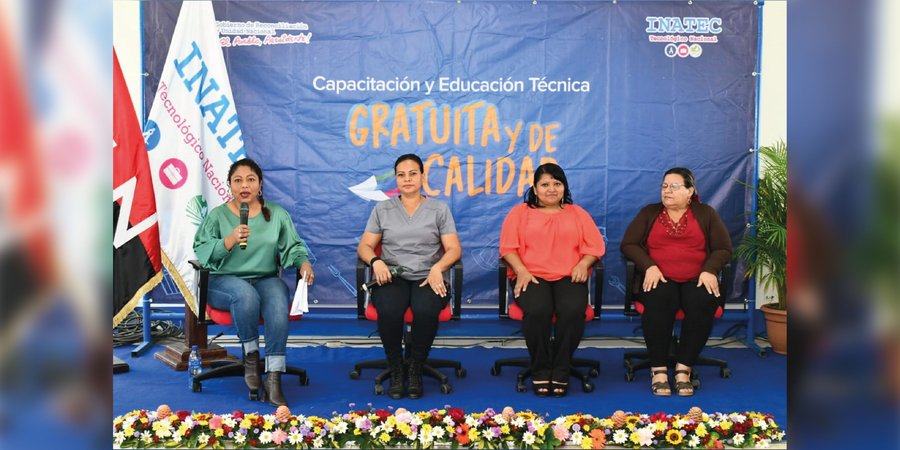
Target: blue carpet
[(757, 384)]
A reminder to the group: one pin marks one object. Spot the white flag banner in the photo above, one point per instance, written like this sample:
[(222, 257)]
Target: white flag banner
[(192, 136)]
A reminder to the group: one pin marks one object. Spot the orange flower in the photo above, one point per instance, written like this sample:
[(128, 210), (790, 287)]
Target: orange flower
[(598, 438), (462, 434)]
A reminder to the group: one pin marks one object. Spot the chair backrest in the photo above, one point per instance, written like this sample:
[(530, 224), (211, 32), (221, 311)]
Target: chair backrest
[(634, 279), (365, 311), (508, 309)]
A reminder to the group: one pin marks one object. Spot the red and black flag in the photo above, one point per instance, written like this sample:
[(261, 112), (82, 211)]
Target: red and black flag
[(137, 266)]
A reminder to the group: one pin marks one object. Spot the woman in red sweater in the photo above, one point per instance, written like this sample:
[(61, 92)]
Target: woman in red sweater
[(680, 245), (550, 245)]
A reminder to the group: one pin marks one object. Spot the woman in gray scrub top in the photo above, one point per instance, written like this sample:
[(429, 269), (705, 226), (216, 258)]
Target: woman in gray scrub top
[(419, 234)]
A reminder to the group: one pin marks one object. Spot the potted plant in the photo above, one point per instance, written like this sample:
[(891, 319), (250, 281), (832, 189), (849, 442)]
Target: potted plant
[(764, 247)]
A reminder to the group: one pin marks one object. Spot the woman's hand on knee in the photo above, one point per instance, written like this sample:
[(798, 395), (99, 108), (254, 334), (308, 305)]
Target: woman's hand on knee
[(652, 277)]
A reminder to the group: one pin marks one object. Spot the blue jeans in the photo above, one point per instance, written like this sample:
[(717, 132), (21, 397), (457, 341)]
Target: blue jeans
[(247, 299)]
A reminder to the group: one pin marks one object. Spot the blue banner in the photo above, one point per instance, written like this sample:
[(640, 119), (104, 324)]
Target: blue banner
[(330, 93)]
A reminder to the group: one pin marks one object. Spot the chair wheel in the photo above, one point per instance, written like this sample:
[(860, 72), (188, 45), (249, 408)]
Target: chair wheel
[(446, 388), (461, 372), (594, 373), (725, 372), (495, 370), (196, 387), (379, 389), (629, 376), (587, 387), (520, 387), (354, 374), (304, 380), (253, 395)]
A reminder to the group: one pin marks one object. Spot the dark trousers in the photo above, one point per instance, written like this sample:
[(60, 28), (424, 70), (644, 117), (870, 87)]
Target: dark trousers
[(550, 360), (658, 320), (391, 301)]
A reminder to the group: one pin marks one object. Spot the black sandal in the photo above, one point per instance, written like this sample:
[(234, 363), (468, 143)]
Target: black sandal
[(541, 388), (658, 388), (560, 389), (684, 388)]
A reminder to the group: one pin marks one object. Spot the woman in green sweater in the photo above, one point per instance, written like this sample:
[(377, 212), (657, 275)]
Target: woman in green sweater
[(243, 261)]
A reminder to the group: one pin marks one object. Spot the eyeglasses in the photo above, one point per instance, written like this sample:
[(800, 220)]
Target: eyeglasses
[(673, 186)]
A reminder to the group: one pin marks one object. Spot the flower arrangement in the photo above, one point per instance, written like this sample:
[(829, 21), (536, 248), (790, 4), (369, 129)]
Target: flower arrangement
[(447, 427)]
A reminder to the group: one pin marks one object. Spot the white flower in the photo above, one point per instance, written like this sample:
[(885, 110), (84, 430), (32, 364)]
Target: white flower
[(265, 437), (620, 437), (645, 436), (425, 439), (576, 438), (229, 421), (416, 420), (763, 425), (499, 419), (239, 438), (449, 421), (318, 443), (146, 437), (119, 437), (712, 423), (738, 439), (301, 419), (528, 438), (694, 441), (471, 421), (270, 417), (489, 434), (437, 432), (295, 438), (679, 423), (779, 435), (519, 422), (763, 443), (203, 438), (560, 420), (738, 418), (340, 428)]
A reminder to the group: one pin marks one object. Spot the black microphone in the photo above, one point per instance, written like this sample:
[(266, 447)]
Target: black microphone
[(245, 214), (395, 271)]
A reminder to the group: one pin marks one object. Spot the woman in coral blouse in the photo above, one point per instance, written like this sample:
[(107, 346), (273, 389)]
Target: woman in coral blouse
[(550, 245)]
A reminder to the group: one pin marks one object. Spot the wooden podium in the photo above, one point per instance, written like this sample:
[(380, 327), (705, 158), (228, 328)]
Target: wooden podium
[(176, 353)]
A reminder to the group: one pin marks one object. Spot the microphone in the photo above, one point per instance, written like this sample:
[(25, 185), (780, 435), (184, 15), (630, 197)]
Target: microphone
[(245, 214), (395, 271)]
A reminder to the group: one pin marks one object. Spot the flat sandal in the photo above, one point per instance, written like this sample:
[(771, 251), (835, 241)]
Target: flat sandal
[(658, 388), (684, 388)]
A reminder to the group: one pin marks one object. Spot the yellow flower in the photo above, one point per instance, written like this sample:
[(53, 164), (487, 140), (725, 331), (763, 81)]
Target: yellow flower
[(634, 438), (317, 430), (294, 422), (268, 425), (701, 430), (450, 429), (726, 425), (357, 432), (606, 423), (404, 428), (659, 425), (631, 421), (673, 437), (586, 443), (144, 420), (220, 432), (384, 437), (426, 429), (246, 423), (129, 431), (474, 434), (504, 429)]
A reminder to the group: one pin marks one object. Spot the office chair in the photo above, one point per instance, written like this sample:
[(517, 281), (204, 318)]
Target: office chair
[(366, 310), (633, 307), (223, 317), (509, 309)]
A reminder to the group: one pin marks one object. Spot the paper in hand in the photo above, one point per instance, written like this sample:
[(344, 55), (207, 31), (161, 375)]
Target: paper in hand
[(300, 304)]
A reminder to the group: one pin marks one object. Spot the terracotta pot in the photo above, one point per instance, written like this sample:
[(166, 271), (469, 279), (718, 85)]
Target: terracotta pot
[(776, 328)]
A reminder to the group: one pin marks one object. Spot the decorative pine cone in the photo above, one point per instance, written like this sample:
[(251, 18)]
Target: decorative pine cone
[(618, 418), (163, 411), (695, 414), (282, 414)]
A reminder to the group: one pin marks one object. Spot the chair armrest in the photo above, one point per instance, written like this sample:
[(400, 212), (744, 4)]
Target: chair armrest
[(502, 290), (457, 280), (361, 271), (598, 288)]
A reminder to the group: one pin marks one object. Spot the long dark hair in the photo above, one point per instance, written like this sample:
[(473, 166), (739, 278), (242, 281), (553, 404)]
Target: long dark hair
[(556, 173), (689, 181), (247, 162)]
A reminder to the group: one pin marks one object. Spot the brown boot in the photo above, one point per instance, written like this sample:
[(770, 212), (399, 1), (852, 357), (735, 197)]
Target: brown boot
[(272, 389), (251, 370)]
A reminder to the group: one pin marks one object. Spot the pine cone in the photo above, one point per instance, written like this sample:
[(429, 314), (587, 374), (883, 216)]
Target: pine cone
[(163, 411), (282, 414), (618, 418), (695, 414)]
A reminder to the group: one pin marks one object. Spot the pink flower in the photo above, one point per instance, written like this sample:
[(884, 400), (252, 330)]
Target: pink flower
[(560, 432), (215, 423), (279, 436)]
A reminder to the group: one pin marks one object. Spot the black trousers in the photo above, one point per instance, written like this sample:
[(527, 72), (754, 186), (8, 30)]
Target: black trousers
[(391, 301), (568, 300), (658, 320)]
